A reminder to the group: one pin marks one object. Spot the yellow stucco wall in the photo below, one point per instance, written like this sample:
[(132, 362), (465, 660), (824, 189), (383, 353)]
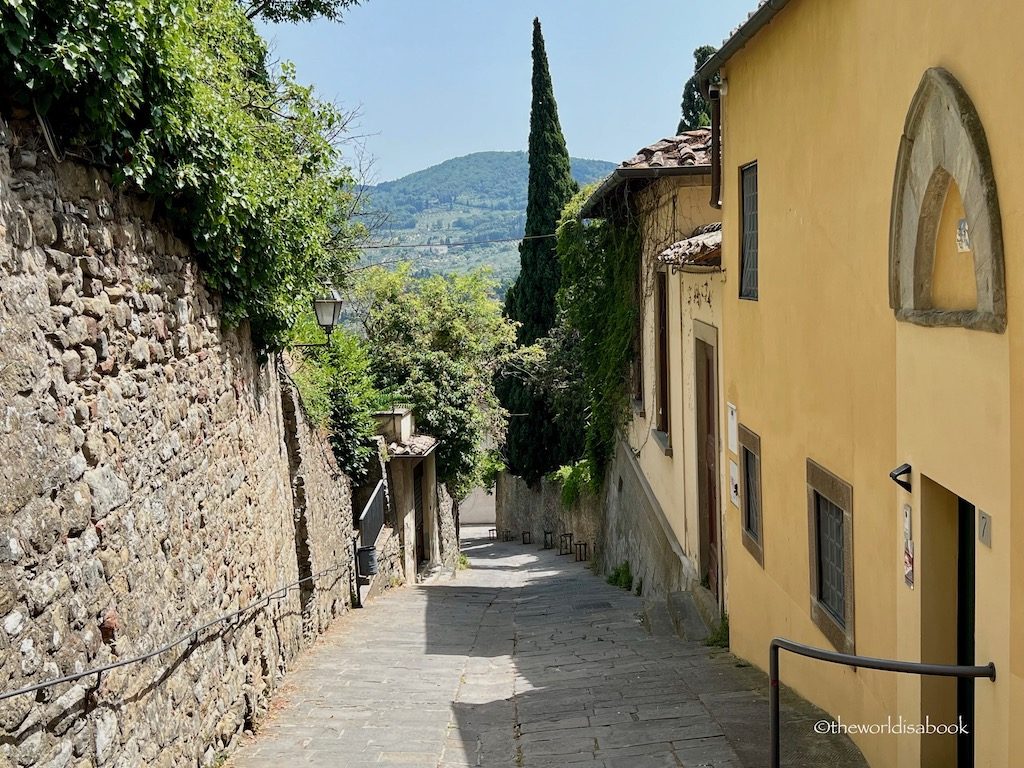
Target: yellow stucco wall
[(670, 210), (820, 368)]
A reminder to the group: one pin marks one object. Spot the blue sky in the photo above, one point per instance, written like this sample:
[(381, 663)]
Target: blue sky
[(435, 79)]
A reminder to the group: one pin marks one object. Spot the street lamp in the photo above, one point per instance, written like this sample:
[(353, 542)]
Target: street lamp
[(328, 312)]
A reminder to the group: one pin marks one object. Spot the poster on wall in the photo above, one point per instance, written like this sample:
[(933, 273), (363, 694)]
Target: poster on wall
[(908, 548), (734, 482)]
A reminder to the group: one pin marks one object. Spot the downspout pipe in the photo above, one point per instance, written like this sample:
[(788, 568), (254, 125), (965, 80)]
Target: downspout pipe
[(715, 100)]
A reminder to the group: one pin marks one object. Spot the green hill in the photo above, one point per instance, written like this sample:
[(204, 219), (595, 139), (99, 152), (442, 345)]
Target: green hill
[(468, 199)]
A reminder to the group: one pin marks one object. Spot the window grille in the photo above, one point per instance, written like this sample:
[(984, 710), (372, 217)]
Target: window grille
[(748, 253)]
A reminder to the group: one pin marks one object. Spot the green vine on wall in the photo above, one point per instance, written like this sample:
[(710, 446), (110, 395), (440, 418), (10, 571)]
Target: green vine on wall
[(590, 351), (178, 97)]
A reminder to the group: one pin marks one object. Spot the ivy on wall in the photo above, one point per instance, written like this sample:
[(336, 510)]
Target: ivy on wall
[(590, 351), (178, 98)]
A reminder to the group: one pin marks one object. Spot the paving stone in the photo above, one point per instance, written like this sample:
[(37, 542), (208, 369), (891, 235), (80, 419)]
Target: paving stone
[(525, 660)]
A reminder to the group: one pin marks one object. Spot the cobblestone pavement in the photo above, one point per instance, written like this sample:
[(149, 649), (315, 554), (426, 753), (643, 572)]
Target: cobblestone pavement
[(526, 659)]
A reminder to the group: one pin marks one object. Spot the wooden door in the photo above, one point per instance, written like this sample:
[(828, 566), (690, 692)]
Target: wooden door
[(417, 496), (707, 464)]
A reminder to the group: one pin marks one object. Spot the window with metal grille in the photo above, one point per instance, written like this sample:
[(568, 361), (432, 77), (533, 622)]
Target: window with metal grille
[(752, 497), (662, 358), (750, 492), (748, 239), (830, 539), (831, 559)]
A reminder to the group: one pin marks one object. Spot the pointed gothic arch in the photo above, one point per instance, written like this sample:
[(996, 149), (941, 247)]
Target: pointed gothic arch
[(943, 141)]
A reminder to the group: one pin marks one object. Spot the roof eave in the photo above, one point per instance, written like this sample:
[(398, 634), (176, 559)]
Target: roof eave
[(760, 19), (621, 175)]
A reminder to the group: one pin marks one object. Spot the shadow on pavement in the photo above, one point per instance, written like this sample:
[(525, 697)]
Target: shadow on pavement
[(563, 671)]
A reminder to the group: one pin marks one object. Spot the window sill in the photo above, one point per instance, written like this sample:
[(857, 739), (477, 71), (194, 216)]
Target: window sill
[(753, 547), (663, 440), (839, 636)]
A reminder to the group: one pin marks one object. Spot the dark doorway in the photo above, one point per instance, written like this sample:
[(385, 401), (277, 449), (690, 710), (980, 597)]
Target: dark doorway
[(947, 583), (417, 497), (707, 456), (965, 632)]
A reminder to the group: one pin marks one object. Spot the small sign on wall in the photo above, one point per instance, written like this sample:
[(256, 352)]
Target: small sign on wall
[(985, 528), (963, 237), (734, 482), (734, 439)]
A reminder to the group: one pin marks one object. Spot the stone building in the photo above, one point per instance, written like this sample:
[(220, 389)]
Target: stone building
[(424, 513)]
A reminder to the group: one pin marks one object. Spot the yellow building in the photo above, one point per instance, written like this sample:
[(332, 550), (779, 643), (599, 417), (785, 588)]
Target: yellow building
[(871, 192), (663, 506)]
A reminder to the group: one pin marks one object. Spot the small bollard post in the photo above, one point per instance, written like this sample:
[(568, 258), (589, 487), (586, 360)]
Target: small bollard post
[(527, 537), (492, 533), (581, 551), (565, 544), (549, 539)]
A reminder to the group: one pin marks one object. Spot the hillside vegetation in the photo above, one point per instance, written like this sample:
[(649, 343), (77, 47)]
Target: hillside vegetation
[(472, 199)]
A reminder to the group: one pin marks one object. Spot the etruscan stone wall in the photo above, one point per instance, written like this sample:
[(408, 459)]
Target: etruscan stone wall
[(146, 486)]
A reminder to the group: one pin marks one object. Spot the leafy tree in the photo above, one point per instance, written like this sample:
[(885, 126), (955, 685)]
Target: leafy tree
[(298, 10), (438, 343), (696, 113), (533, 444), (177, 96), (338, 393)]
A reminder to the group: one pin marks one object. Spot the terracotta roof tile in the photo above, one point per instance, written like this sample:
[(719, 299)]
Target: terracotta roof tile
[(689, 149), (416, 445), (702, 249)]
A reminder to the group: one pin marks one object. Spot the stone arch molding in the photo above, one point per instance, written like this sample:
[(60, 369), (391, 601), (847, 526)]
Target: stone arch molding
[(943, 139)]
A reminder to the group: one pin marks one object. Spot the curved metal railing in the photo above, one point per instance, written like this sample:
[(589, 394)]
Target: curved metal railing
[(850, 660)]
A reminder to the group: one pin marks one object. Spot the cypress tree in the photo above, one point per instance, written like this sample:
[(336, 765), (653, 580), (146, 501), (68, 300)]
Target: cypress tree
[(533, 444), (695, 111)]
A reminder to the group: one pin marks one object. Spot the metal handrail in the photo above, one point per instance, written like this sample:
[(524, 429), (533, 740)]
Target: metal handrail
[(193, 636), (850, 660), (371, 520)]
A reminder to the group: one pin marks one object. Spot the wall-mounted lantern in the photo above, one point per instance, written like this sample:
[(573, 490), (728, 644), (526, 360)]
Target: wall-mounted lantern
[(327, 309)]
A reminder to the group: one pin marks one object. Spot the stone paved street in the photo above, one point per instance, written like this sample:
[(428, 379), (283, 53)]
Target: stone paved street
[(526, 659)]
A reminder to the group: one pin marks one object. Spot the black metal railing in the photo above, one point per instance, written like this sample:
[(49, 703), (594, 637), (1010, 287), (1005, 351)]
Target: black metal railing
[(371, 520), (849, 660), (193, 637)]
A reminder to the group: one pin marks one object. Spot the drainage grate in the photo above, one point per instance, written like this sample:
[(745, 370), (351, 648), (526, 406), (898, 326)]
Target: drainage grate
[(591, 606)]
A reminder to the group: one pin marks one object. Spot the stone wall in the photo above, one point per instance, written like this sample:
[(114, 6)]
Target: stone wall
[(622, 524), (447, 512), (518, 507), (322, 516), (639, 533), (145, 485)]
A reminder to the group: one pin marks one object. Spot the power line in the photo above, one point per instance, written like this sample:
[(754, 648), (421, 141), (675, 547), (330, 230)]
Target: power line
[(379, 246)]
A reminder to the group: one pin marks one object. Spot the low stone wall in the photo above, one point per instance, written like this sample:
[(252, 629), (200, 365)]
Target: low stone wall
[(447, 511), (146, 486), (638, 533), (390, 563), (624, 523), (518, 508), (322, 517)]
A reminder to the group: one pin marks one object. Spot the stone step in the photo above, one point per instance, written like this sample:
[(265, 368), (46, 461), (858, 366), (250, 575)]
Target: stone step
[(684, 610), (657, 619)]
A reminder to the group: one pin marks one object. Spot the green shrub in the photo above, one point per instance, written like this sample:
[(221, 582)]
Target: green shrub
[(338, 394), (719, 638), (577, 479), (621, 576)]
